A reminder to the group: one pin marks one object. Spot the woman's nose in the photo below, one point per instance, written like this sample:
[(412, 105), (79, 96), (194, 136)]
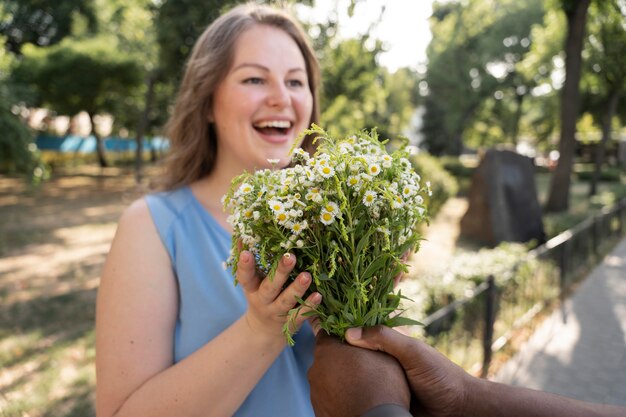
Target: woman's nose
[(278, 96)]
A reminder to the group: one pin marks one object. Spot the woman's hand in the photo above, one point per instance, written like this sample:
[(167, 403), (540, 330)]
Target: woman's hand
[(268, 304)]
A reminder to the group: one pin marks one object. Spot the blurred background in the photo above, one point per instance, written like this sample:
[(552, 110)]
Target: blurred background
[(86, 87)]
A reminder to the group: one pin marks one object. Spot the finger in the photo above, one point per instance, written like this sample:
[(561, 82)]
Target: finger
[(310, 304), (315, 324), (397, 279), (387, 340), (272, 286), (289, 297), (246, 272)]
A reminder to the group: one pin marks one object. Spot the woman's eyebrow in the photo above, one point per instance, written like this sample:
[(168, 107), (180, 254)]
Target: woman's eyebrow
[(263, 67)]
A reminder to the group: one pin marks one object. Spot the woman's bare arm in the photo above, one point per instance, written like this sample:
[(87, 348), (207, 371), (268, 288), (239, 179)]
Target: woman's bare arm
[(136, 314)]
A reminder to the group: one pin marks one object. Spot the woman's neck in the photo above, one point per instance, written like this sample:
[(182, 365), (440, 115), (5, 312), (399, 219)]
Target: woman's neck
[(209, 192)]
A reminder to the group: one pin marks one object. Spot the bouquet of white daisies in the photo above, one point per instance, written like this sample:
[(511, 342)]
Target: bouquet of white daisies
[(350, 213)]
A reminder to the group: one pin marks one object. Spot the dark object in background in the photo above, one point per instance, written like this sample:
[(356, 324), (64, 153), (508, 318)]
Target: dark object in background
[(503, 204)]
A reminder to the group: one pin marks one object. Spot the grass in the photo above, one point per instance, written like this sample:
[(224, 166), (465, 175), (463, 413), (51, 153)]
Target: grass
[(581, 206), (53, 242)]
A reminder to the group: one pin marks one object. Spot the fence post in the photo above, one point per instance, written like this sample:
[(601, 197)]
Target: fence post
[(622, 221), (490, 312), (563, 276), (595, 235)]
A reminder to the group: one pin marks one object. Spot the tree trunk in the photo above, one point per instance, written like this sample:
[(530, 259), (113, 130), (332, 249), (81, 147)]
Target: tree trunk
[(558, 197), (102, 160), (141, 128), (606, 133), (519, 101)]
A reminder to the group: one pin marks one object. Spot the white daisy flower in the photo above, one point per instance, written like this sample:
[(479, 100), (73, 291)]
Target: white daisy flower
[(369, 198), (314, 194), (387, 160), (276, 206), (373, 169), (282, 218), (325, 170), (331, 207), (327, 217), (397, 202), (353, 181), (298, 227)]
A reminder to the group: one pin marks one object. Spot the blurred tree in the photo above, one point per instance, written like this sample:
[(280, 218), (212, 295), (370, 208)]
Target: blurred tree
[(132, 22), (604, 80), (90, 75), (17, 152), (357, 93), (42, 22), (472, 72), (543, 65), (576, 15), (179, 24)]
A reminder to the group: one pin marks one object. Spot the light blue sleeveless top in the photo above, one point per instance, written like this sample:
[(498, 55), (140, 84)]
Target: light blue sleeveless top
[(210, 302)]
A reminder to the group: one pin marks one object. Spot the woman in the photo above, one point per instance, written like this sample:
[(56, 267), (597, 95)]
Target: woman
[(175, 336)]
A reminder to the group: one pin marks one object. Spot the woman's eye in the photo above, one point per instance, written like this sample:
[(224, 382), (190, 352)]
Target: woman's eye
[(295, 83), (253, 80)]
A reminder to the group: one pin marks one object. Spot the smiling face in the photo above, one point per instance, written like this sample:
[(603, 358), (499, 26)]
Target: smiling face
[(263, 103)]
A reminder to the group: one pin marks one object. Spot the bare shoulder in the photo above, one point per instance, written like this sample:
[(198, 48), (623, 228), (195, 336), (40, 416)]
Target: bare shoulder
[(136, 231), (137, 259)]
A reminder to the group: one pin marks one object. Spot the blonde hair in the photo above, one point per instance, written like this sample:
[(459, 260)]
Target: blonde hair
[(193, 144)]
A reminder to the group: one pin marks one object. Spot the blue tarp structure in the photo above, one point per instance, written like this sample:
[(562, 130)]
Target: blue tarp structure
[(84, 145)]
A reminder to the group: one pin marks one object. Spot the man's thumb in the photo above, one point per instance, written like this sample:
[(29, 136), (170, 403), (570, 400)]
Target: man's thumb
[(381, 338)]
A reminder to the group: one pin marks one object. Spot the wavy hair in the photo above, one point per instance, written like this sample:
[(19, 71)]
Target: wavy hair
[(193, 142)]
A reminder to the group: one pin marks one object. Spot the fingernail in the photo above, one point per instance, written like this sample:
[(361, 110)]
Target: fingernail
[(305, 278), (354, 333), (287, 259), (244, 257), (317, 298)]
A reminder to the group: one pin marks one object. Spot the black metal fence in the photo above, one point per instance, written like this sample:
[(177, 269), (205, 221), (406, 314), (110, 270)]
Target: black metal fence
[(501, 310)]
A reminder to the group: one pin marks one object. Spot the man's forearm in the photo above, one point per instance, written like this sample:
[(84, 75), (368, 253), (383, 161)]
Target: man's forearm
[(491, 399)]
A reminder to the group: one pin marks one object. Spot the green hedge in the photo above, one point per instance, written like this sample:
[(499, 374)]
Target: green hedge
[(442, 184)]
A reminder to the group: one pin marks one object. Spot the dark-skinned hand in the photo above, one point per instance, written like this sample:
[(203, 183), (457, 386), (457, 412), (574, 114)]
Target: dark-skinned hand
[(347, 381)]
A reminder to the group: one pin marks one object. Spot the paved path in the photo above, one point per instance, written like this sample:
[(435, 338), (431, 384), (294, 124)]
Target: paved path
[(585, 357)]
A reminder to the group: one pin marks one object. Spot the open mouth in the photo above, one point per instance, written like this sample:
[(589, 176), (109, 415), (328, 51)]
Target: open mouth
[(273, 127)]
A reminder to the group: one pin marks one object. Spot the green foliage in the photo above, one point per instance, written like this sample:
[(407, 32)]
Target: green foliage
[(80, 74), (42, 22), (357, 93), (18, 153), (349, 213), (466, 271), (471, 74), (605, 47), (442, 184), (609, 174)]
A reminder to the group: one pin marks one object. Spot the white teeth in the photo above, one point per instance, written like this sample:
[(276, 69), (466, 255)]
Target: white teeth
[(282, 124)]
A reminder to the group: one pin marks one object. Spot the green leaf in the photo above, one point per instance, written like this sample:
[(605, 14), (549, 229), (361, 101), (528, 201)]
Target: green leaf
[(401, 321)]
